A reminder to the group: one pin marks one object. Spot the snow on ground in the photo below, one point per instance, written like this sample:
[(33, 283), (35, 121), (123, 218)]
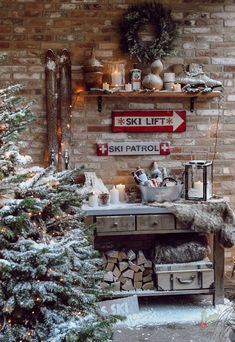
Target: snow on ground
[(178, 312)]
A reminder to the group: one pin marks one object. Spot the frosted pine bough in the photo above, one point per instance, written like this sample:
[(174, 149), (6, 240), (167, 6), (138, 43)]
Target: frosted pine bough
[(48, 268)]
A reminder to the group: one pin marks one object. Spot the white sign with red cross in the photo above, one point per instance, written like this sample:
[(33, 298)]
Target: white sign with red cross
[(133, 148)]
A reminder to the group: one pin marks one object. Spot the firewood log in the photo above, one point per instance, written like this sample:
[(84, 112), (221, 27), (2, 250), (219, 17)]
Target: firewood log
[(104, 285), (147, 278), (131, 255), (141, 258), (148, 264), (122, 256), (116, 272), (109, 266), (148, 286), (123, 280), (112, 254), (138, 284), (128, 274), (138, 276), (108, 276), (123, 265), (113, 260), (116, 286), (128, 285), (133, 266)]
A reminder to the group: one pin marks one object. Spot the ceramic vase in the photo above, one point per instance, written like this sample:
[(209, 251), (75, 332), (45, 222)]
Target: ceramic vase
[(153, 80)]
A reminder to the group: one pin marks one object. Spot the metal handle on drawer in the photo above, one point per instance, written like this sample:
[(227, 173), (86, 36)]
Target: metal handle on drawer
[(186, 281), (115, 224), (155, 223)]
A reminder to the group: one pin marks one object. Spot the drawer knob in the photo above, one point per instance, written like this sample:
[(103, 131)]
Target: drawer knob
[(155, 223), (115, 224)]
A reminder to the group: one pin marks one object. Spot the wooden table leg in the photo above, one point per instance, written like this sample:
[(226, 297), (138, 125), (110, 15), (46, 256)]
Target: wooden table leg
[(218, 252)]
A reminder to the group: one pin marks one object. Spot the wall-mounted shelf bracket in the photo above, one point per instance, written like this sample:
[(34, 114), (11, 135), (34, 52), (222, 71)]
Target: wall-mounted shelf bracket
[(192, 101), (99, 103)]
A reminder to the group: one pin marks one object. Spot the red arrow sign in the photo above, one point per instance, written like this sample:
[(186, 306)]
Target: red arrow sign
[(149, 121)]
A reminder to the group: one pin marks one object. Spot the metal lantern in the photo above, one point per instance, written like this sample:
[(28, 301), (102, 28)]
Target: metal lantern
[(198, 180)]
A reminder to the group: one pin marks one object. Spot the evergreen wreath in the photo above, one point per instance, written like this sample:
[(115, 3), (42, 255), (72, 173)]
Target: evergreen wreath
[(165, 29)]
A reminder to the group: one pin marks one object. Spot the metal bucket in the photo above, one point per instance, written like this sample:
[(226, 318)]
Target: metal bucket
[(166, 193)]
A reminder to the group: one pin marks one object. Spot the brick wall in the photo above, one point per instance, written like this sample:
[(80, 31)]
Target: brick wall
[(206, 35)]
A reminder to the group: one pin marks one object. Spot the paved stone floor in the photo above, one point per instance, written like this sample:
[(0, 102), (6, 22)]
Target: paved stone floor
[(214, 332), (171, 333)]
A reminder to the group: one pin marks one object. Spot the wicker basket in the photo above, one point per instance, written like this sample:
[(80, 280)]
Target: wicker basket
[(170, 193)]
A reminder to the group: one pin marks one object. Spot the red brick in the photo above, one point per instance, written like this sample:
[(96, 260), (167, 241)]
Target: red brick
[(98, 129)]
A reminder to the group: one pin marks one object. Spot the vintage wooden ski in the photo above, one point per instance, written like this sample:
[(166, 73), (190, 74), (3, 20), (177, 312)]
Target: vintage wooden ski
[(64, 108), (51, 108)]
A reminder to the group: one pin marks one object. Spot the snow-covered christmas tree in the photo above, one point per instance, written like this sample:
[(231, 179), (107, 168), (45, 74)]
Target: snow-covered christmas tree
[(48, 268)]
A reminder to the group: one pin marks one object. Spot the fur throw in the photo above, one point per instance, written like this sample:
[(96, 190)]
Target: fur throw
[(214, 216), (180, 250)]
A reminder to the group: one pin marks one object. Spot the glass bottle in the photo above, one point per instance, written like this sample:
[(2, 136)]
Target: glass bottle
[(135, 77)]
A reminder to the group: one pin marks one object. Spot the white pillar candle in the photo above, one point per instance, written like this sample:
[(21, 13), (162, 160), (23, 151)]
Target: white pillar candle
[(93, 200), (198, 186), (128, 87), (116, 77), (105, 86), (169, 77), (177, 87), (114, 196), (122, 194)]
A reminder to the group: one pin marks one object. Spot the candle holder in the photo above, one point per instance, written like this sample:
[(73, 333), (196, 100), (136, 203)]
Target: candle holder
[(117, 75), (198, 180)]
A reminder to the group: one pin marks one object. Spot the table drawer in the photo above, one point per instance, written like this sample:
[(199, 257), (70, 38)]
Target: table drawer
[(170, 281), (155, 222), (115, 223)]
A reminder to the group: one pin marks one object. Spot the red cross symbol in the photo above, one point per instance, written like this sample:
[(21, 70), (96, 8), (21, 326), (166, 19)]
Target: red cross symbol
[(164, 148), (102, 149)]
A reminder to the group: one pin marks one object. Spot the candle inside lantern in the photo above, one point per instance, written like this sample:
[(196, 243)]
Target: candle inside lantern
[(93, 200), (199, 187), (114, 196), (116, 77), (122, 194)]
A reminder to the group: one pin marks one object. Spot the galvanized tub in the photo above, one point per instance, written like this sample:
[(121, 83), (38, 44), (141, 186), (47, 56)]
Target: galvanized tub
[(162, 194)]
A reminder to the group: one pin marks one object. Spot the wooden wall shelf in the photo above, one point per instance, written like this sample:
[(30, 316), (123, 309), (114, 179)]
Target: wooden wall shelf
[(159, 94), (142, 94)]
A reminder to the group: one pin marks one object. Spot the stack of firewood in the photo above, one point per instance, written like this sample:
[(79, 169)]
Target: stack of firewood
[(126, 271)]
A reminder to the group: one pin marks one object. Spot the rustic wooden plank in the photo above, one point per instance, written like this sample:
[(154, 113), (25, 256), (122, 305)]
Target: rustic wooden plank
[(150, 232), (158, 94), (156, 293), (219, 271)]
